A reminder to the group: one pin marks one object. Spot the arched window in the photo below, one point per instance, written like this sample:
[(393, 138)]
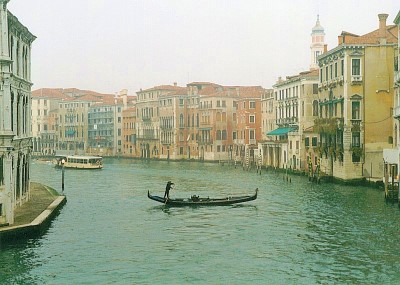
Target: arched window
[(315, 108), (181, 122)]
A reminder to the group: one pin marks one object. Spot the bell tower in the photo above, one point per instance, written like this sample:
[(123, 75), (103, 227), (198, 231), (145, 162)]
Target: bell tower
[(317, 43)]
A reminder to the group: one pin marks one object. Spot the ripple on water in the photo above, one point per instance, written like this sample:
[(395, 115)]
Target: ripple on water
[(294, 233)]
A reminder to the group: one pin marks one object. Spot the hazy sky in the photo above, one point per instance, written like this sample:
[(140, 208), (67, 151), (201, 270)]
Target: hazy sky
[(106, 46)]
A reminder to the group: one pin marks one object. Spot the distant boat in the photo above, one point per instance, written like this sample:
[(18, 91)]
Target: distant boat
[(78, 161), (198, 201)]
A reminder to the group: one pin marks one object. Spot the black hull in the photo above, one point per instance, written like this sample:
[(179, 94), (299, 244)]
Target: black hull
[(203, 201)]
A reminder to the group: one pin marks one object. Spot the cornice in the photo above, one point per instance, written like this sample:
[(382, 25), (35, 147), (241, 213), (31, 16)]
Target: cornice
[(19, 30)]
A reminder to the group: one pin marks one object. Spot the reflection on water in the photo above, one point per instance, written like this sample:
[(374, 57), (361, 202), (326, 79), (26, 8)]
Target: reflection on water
[(294, 233)]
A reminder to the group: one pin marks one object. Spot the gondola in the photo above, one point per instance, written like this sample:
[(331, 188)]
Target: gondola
[(199, 201)]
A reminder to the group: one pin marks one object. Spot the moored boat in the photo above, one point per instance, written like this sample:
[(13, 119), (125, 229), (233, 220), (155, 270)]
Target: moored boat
[(199, 201), (79, 161)]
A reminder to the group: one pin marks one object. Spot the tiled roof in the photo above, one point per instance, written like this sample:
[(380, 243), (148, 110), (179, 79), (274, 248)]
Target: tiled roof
[(51, 93), (181, 91), (233, 91), (372, 37), (162, 87)]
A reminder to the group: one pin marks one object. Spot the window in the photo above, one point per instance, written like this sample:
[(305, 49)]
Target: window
[(223, 134), (252, 104), (252, 134), (326, 73), (307, 141), (355, 66), (315, 108), (252, 118), (355, 139), (218, 135), (335, 69), (315, 89), (355, 110), (314, 141), (342, 67)]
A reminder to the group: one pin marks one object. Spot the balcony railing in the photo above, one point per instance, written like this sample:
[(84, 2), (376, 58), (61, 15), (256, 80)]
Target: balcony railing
[(356, 79), (396, 112), (204, 142), (397, 78), (238, 141)]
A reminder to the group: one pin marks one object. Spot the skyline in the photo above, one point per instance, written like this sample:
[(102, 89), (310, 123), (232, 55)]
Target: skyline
[(140, 44)]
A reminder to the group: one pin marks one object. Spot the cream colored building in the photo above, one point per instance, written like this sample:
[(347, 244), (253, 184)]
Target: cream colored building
[(147, 118), (44, 102), (355, 124), (294, 98)]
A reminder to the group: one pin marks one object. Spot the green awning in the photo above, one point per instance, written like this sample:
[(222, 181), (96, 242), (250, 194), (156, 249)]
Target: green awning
[(70, 132), (280, 131)]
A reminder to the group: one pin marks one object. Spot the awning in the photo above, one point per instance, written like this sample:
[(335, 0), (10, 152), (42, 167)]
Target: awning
[(280, 131), (70, 132)]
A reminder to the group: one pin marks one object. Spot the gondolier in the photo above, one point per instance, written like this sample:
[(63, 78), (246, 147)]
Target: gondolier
[(167, 188)]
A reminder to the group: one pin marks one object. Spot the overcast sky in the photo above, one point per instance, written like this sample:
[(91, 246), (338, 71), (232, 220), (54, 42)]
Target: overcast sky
[(106, 46)]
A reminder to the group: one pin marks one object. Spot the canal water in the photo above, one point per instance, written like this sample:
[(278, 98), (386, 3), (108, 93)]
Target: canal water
[(109, 232)]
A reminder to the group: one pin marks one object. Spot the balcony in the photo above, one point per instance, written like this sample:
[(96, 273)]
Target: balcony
[(397, 78), (356, 79), (166, 128), (340, 80), (238, 141), (205, 142), (396, 112)]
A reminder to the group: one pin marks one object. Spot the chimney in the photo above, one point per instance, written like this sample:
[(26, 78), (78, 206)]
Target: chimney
[(175, 84), (340, 39), (382, 25)]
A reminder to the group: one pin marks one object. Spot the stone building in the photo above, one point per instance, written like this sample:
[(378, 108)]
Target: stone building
[(129, 146), (147, 118), (356, 82), (248, 124), (294, 97), (15, 104), (45, 103)]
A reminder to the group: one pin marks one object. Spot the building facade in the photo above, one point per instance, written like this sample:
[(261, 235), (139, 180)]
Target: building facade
[(15, 120), (129, 146), (356, 82), (45, 103)]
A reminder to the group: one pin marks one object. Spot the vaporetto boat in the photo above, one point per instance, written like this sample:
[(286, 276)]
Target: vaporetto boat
[(79, 161)]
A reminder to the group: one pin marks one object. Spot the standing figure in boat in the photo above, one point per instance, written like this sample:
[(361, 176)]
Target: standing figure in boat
[(167, 188)]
